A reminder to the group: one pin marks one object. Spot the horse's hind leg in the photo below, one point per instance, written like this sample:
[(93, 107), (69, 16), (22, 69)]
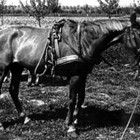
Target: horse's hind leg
[(3, 72), (16, 71)]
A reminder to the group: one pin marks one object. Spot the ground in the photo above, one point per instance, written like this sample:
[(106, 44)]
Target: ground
[(110, 99)]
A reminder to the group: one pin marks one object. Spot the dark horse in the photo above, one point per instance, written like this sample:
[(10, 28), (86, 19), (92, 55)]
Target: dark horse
[(131, 41), (69, 49)]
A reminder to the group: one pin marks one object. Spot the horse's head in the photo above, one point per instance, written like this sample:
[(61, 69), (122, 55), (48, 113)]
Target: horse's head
[(131, 41)]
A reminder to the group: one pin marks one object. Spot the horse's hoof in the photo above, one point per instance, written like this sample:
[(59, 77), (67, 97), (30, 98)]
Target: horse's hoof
[(27, 119), (76, 122), (72, 132), (71, 129)]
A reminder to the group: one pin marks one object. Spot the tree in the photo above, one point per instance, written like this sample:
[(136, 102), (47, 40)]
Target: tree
[(2, 8), (86, 8), (109, 6), (40, 8)]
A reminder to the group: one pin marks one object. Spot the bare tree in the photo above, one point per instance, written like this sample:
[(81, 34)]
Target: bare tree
[(40, 8), (2, 8), (109, 6)]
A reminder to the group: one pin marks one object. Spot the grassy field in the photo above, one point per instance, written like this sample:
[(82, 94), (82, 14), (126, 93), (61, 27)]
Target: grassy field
[(47, 21), (110, 99)]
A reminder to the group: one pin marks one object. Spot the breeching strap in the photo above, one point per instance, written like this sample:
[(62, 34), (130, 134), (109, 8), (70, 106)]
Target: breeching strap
[(36, 68)]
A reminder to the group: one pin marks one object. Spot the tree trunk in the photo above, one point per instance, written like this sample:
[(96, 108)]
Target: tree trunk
[(1, 19), (39, 22), (109, 15)]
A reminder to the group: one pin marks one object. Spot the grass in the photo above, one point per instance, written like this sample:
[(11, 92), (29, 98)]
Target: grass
[(109, 98), (109, 101)]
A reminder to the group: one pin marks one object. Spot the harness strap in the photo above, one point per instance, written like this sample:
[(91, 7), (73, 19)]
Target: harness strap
[(55, 43), (55, 37), (36, 68), (79, 36)]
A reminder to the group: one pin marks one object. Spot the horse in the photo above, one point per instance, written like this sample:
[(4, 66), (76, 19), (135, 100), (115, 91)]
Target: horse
[(70, 48), (131, 41)]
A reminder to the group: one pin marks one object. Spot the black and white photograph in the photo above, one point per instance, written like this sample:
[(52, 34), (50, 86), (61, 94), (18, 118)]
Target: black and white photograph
[(69, 70)]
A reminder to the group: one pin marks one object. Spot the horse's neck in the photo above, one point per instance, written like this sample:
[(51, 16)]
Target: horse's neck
[(105, 42)]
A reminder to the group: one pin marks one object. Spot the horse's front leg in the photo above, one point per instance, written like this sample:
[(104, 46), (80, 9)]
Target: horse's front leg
[(73, 90), (81, 97), (16, 71)]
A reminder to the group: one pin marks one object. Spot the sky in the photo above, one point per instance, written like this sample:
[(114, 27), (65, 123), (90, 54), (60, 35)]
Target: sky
[(76, 2)]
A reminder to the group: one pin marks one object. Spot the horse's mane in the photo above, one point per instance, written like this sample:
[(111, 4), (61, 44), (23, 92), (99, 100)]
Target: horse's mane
[(97, 26), (105, 26)]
